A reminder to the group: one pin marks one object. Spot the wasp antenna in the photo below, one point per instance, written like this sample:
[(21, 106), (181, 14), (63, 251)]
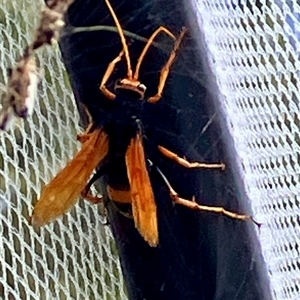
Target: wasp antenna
[(150, 41), (123, 40)]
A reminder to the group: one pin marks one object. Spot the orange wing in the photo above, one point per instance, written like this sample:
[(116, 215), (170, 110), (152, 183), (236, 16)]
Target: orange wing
[(143, 203), (63, 191)]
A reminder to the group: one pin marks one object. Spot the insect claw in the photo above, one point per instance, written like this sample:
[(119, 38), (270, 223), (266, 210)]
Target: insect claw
[(256, 223)]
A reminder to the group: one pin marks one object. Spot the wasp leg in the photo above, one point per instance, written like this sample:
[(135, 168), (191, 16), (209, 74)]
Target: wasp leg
[(166, 69), (83, 137), (107, 75), (149, 42), (185, 163), (86, 193), (195, 206)]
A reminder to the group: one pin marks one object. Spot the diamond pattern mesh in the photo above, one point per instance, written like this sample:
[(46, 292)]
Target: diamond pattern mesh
[(72, 258), (253, 50)]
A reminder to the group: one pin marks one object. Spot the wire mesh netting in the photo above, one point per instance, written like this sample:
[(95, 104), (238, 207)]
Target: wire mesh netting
[(75, 257), (253, 51)]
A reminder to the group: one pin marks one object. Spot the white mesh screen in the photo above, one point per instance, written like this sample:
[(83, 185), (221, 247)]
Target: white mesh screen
[(253, 50), (73, 258)]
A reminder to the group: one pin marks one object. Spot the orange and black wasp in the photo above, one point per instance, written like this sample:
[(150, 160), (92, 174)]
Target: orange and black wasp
[(116, 149)]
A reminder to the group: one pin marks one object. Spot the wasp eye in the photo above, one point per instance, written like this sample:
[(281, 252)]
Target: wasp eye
[(142, 88)]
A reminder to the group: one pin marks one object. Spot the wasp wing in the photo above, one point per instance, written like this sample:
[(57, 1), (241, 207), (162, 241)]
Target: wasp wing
[(143, 203), (63, 191)]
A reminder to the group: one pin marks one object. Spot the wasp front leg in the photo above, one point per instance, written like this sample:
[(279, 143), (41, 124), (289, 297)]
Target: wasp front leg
[(107, 75)]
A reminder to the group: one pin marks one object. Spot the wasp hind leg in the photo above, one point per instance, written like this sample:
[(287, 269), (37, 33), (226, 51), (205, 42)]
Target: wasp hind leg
[(87, 195), (195, 206)]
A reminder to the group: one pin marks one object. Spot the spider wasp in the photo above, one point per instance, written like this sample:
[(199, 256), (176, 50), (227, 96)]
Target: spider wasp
[(116, 149)]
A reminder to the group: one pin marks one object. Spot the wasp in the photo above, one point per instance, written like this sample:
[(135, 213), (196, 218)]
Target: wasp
[(116, 149)]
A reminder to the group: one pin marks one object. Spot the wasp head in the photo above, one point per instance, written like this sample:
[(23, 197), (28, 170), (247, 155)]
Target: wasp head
[(131, 85)]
